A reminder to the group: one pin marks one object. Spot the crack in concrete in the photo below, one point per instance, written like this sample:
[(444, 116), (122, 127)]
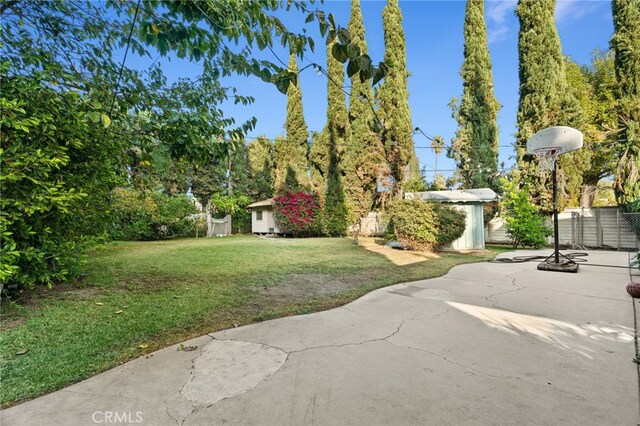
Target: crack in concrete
[(350, 310), (464, 280), (500, 293), (194, 405), (193, 411), (379, 339), (166, 405), (485, 373)]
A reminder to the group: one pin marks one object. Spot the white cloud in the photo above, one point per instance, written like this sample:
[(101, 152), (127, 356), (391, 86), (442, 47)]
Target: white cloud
[(497, 11), (570, 10)]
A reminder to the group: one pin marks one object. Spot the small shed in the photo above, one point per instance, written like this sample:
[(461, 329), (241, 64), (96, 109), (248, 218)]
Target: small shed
[(471, 201), (262, 217)]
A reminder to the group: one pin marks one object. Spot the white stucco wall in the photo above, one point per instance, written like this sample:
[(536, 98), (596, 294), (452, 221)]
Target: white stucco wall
[(267, 224)]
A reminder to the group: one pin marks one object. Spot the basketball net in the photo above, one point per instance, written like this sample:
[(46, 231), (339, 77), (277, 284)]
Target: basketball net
[(547, 157)]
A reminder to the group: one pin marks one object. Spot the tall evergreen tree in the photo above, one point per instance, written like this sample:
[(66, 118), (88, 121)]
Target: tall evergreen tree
[(239, 176), (327, 147), (475, 146), (393, 98), (262, 168), (363, 157), (335, 212), (337, 124), (625, 42), (318, 160), (545, 100), (294, 157), (280, 162)]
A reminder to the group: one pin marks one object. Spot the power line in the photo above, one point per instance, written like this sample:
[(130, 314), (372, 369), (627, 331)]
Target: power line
[(124, 59)]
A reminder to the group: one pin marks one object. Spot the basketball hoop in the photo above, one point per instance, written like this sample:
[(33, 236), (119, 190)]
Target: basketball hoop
[(547, 157), (547, 144)]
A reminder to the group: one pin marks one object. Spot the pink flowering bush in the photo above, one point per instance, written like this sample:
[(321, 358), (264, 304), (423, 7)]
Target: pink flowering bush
[(297, 213)]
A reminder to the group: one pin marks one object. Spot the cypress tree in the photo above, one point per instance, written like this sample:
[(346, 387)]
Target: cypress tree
[(625, 44), (261, 163), (545, 100), (327, 146), (239, 180), (337, 124), (363, 156), (319, 160), (475, 146), (280, 162), (393, 98), (293, 156), (335, 211)]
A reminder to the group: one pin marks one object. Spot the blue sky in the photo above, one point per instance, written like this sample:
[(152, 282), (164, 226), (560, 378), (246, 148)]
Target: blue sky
[(434, 38)]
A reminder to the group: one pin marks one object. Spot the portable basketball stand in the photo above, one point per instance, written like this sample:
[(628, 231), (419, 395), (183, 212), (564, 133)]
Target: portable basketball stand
[(547, 145)]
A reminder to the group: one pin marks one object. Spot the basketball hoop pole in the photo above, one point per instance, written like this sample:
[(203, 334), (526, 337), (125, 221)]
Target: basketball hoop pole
[(567, 264), (556, 244)]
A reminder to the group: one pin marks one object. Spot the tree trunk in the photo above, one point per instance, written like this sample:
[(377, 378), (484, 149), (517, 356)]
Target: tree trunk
[(587, 196), (209, 220)]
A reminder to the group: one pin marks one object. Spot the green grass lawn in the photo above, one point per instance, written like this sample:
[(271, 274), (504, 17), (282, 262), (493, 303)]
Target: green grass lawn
[(138, 297)]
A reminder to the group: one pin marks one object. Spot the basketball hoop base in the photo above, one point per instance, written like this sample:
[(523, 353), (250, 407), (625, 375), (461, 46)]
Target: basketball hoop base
[(558, 267), (564, 265)]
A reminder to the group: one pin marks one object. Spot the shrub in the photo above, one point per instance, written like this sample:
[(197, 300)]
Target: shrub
[(525, 226), (139, 216), (419, 225), (174, 214), (450, 225), (297, 213), (55, 170)]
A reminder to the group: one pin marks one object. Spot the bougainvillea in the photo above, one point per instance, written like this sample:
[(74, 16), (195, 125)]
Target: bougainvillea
[(297, 213)]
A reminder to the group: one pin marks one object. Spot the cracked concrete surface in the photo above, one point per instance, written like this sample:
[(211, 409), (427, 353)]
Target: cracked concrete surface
[(486, 344)]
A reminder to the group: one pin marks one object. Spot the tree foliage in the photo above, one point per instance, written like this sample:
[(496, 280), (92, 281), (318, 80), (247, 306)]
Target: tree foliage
[(393, 101), (525, 226), (624, 43), (262, 168), (137, 215), (475, 146), (545, 100), (327, 149), (337, 125), (594, 87), (363, 157), (293, 157)]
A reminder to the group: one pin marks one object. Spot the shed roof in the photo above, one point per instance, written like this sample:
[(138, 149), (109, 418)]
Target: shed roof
[(263, 203), (455, 195)]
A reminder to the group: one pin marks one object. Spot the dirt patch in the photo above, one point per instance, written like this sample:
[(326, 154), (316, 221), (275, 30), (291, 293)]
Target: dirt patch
[(77, 289), (14, 309), (300, 287), (398, 257)]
